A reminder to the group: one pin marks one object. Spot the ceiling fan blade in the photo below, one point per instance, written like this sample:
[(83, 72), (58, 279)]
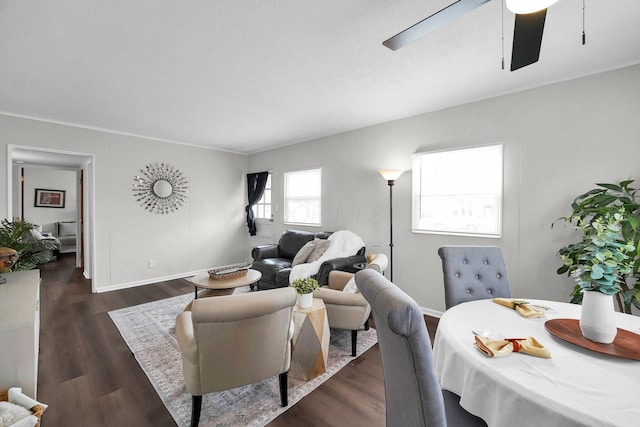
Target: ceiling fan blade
[(527, 39), (432, 22)]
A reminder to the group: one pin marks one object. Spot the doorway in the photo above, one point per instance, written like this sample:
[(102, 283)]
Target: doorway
[(23, 162)]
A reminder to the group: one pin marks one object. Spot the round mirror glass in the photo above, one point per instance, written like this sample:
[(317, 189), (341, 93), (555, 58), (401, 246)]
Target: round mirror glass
[(162, 188)]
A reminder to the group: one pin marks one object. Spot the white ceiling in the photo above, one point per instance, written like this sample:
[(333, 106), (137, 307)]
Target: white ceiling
[(248, 75)]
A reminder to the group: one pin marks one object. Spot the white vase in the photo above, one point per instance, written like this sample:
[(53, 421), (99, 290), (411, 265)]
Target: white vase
[(305, 300), (597, 319)]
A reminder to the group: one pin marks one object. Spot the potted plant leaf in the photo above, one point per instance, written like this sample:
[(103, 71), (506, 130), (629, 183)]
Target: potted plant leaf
[(617, 206), (31, 251), (305, 287)]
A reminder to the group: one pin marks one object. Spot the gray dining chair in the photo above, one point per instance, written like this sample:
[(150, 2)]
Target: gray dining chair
[(472, 273), (412, 391)]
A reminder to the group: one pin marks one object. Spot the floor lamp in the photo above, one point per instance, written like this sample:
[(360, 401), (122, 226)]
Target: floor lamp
[(391, 175)]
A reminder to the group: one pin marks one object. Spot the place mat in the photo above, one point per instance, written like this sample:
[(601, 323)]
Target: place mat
[(625, 345)]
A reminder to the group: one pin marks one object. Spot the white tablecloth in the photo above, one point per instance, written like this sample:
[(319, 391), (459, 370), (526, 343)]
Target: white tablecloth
[(576, 387)]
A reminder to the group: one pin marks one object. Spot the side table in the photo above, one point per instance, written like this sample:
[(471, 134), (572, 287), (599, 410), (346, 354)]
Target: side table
[(310, 343)]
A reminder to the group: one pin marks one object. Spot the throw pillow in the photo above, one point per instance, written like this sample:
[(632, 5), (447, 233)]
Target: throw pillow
[(303, 253), (321, 246), (351, 287), (66, 229), (37, 234)]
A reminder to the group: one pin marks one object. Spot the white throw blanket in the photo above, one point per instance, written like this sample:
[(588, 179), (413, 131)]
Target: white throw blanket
[(16, 397), (343, 243)]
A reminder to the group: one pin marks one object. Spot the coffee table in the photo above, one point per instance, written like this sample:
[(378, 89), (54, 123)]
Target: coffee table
[(214, 288)]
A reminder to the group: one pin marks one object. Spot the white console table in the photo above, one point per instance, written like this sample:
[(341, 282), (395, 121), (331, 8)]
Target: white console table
[(20, 331)]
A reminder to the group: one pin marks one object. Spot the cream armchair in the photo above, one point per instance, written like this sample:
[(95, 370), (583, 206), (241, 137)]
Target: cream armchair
[(346, 307), (234, 340)]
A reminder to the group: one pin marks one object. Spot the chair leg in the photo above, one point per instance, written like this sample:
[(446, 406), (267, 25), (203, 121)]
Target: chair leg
[(284, 395), (195, 410), (354, 340), (366, 325)]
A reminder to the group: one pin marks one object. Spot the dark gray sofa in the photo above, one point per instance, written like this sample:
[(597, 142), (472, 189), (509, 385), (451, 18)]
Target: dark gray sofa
[(274, 261)]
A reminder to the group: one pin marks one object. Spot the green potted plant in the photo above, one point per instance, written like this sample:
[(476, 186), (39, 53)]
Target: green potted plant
[(305, 287), (615, 249), (604, 259), (31, 251)]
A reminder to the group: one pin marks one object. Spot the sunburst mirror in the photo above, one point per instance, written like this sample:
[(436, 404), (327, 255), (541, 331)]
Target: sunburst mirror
[(160, 188)]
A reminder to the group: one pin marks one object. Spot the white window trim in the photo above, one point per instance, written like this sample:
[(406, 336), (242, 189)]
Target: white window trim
[(416, 193)]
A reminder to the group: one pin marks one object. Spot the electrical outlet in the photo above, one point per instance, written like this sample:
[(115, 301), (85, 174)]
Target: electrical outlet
[(152, 263)]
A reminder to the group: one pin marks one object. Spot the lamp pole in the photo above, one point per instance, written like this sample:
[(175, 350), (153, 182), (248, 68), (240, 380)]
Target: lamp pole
[(391, 182), (391, 175)]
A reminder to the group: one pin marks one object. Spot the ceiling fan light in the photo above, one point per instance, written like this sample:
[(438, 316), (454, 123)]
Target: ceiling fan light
[(523, 7)]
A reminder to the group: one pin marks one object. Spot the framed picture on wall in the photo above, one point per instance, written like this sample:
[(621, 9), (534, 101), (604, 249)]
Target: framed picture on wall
[(49, 198)]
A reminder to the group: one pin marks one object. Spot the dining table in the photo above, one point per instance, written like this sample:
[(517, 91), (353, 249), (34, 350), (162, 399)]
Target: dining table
[(576, 386)]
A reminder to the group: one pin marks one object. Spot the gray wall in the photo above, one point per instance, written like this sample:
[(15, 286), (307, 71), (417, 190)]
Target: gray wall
[(51, 179), (208, 231), (558, 141)]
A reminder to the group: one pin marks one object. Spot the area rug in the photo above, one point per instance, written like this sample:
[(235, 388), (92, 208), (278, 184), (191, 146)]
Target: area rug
[(149, 331)]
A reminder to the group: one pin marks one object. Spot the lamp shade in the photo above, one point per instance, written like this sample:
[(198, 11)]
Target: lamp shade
[(391, 174), (523, 7)]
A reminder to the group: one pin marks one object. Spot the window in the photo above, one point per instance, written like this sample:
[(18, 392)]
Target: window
[(458, 191), (262, 209), (302, 197)]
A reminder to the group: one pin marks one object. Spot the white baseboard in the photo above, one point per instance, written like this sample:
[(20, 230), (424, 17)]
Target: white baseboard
[(431, 313), (119, 286)]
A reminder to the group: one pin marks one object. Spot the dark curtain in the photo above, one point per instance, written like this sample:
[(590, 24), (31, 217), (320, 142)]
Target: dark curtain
[(255, 188)]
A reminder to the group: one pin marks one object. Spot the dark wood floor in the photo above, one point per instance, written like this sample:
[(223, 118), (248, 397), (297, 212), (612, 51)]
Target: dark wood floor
[(88, 376)]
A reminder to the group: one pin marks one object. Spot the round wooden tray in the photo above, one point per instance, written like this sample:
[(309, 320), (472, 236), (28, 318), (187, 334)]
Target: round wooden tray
[(625, 345)]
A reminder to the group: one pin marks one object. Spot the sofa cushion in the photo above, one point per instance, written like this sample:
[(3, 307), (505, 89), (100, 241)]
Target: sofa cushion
[(303, 254), (269, 269), (292, 241), (323, 234), (282, 277)]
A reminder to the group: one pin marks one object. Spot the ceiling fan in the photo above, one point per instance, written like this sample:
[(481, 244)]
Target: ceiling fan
[(527, 33)]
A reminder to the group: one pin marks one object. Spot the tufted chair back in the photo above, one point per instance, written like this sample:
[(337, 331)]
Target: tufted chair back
[(473, 273), (412, 391)]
